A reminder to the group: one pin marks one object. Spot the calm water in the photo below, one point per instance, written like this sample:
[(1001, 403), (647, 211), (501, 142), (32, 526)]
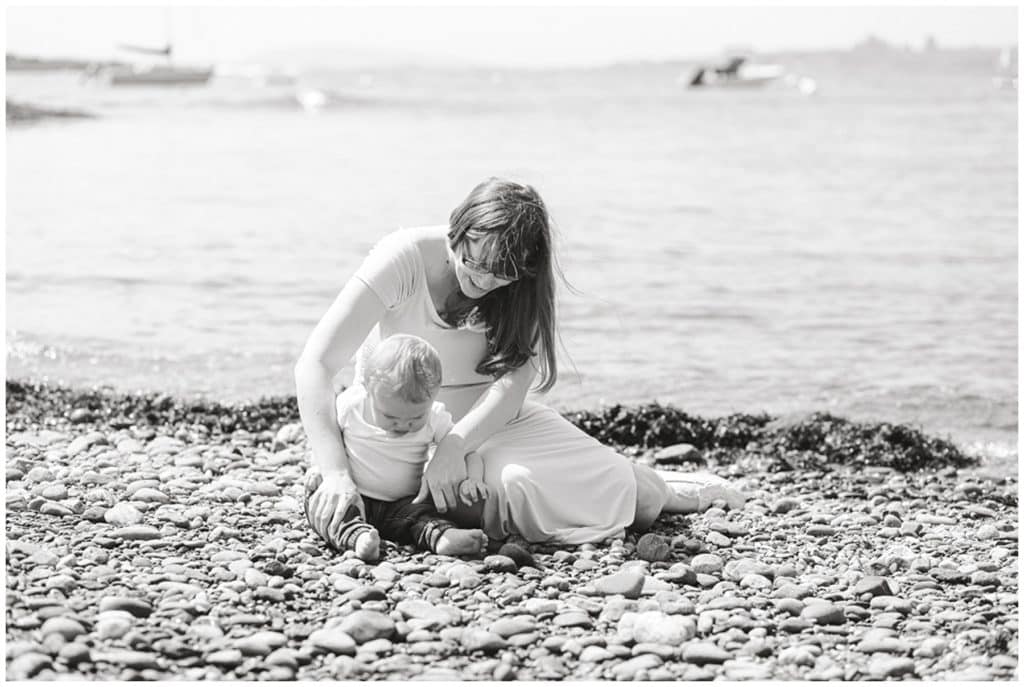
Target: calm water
[(853, 251)]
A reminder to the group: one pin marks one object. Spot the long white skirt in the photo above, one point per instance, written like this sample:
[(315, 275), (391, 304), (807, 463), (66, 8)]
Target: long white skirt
[(551, 482)]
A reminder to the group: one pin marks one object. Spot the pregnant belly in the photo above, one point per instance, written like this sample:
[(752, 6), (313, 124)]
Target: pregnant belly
[(458, 400)]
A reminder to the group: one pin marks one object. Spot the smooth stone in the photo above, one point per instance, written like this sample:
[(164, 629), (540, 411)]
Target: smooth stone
[(653, 547), (540, 606), (283, 657), (754, 581), (137, 607), (521, 556), (680, 574), (794, 625), (785, 505), (27, 665), (628, 670), (823, 613), (594, 654), (932, 647), (74, 653), (875, 645), (260, 643), (67, 628), (362, 626), (736, 570), (332, 640), (655, 627), (573, 619), (478, 639), (499, 563), (136, 533), (123, 514), (821, 531), (791, 606), (114, 624), (702, 653), (678, 453), (55, 509), (876, 586), (707, 564), (514, 625), (887, 667), (140, 660), (150, 495), (225, 658)]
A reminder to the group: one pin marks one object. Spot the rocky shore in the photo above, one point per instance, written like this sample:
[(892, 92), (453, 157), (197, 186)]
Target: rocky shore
[(152, 538)]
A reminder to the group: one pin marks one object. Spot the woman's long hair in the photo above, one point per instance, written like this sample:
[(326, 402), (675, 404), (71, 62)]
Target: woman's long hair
[(512, 224)]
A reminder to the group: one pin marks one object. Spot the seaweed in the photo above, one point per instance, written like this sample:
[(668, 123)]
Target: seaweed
[(814, 442), (44, 405)]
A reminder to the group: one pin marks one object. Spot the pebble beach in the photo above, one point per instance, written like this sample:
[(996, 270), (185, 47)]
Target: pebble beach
[(150, 537)]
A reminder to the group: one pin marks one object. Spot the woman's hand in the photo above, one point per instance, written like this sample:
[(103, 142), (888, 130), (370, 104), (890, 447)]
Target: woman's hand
[(443, 475), (332, 500)]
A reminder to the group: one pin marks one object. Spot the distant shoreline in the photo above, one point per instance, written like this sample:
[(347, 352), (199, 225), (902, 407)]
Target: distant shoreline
[(24, 112)]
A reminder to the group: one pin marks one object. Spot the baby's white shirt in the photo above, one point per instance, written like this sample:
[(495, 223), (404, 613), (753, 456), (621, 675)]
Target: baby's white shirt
[(383, 467)]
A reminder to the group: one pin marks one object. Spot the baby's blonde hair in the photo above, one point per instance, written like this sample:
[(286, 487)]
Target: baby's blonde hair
[(404, 365)]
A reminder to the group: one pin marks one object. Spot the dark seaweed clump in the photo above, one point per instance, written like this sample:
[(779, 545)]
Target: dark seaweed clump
[(813, 442), (43, 405)]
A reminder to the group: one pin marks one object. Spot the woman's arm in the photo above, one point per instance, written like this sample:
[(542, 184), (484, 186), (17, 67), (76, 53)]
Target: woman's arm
[(333, 341), (496, 407), (330, 346)]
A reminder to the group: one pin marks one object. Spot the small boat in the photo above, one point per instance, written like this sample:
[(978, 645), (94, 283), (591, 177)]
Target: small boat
[(154, 74), (1006, 70), (158, 75), (736, 72)]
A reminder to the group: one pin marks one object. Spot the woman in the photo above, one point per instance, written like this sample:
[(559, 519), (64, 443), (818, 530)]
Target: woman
[(482, 291)]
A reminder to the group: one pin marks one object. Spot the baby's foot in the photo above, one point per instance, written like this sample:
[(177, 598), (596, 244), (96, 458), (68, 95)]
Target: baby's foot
[(459, 542), (367, 546)]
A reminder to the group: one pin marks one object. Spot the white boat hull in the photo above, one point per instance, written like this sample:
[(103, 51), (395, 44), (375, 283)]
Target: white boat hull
[(160, 76)]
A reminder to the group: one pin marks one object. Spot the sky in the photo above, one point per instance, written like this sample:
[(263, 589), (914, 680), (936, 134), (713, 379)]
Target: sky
[(487, 34)]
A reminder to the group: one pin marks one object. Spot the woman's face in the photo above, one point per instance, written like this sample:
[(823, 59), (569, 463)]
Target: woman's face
[(474, 280)]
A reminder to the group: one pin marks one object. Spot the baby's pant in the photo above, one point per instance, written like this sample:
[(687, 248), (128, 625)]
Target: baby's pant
[(401, 521)]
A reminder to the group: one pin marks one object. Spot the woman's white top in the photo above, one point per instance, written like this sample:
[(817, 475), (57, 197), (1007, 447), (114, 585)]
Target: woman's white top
[(394, 270)]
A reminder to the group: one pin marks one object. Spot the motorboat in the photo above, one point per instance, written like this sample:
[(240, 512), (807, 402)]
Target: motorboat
[(736, 72)]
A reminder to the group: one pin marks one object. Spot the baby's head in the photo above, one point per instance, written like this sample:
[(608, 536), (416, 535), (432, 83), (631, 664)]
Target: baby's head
[(402, 376)]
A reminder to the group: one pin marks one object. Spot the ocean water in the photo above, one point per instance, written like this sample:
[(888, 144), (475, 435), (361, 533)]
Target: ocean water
[(854, 250)]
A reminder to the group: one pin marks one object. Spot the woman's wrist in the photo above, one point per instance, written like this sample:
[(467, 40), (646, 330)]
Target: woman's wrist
[(453, 442)]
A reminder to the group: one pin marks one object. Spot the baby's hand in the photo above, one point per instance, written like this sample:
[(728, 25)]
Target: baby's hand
[(471, 491)]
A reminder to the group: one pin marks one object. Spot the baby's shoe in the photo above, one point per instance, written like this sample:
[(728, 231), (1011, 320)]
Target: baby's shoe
[(352, 515)]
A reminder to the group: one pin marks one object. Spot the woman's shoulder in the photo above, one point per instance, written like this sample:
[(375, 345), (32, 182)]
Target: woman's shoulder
[(425, 241), (417, 235)]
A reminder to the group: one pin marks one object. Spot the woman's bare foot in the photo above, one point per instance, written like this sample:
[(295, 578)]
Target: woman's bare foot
[(459, 542), (367, 546), (693, 492)]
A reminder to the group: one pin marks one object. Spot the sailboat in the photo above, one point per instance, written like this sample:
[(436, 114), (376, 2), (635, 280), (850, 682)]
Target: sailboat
[(166, 74), (160, 72)]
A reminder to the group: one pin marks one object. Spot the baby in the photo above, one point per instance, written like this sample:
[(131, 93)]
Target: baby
[(390, 425)]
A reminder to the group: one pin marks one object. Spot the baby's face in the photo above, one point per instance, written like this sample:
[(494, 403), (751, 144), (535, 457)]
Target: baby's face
[(395, 415)]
